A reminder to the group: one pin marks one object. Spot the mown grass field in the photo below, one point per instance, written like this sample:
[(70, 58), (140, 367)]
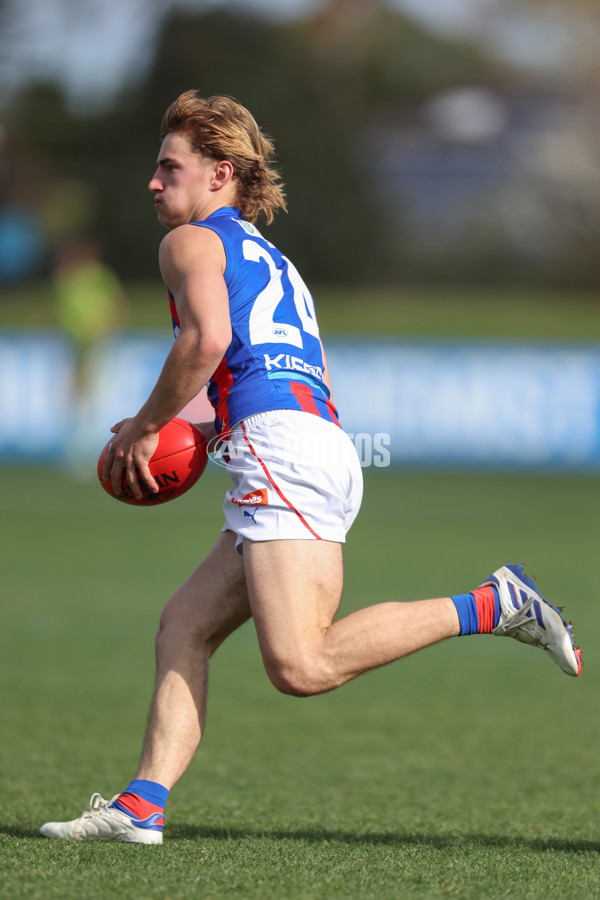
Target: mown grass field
[(408, 312), (470, 770)]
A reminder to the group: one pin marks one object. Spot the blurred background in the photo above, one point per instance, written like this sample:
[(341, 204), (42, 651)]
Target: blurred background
[(443, 177)]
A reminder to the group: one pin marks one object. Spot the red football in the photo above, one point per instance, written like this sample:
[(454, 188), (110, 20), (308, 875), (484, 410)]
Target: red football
[(177, 464)]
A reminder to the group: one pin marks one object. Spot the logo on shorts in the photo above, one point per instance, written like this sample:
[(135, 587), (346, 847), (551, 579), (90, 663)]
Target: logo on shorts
[(251, 515), (254, 498)]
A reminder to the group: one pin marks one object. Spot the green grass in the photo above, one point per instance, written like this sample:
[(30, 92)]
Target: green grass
[(470, 770), (454, 312)]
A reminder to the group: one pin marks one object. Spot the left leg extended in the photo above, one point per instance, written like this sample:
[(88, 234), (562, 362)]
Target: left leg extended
[(295, 588)]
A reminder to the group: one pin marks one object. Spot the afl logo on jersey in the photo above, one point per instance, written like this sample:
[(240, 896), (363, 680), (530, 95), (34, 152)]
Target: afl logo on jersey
[(280, 331), (248, 227)]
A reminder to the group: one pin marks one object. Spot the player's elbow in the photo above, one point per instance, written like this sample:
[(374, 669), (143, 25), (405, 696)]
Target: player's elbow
[(213, 349), (206, 349), (215, 336)]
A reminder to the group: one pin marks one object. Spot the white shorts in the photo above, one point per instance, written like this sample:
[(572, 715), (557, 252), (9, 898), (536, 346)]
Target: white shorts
[(296, 477)]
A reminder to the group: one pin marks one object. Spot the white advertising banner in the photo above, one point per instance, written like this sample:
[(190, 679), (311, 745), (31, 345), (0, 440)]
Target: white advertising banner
[(492, 404), (405, 402)]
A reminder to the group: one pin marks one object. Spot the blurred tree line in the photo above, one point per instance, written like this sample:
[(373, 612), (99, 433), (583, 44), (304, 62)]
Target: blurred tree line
[(321, 88)]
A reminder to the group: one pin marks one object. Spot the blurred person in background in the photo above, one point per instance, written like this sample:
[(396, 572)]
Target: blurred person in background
[(89, 299), (90, 306)]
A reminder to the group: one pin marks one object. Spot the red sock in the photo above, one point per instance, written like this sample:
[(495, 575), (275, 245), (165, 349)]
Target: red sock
[(488, 608), (137, 807)]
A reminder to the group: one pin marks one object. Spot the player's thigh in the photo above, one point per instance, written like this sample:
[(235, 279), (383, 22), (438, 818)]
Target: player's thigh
[(213, 601), (294, 589)]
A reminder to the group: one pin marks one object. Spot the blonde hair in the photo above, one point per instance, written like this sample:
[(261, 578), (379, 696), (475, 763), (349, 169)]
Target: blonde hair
[(221, 128)]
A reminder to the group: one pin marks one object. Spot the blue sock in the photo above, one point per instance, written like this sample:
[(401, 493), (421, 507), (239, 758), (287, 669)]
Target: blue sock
[(467, 613), (149, 790)]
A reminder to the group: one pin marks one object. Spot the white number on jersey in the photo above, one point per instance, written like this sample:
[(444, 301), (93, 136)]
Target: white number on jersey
[(263, 329)]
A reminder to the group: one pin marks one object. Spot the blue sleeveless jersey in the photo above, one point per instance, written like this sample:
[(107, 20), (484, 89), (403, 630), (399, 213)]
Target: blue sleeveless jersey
[(274, 360)]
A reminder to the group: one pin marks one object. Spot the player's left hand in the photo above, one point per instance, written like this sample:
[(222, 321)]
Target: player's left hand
[(130, 452)]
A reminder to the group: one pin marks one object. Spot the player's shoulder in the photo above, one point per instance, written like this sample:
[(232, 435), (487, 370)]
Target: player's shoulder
[(189, 237), (186, 244)]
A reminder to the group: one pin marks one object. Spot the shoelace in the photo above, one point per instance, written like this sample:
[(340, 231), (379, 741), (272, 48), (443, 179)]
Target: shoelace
[(97, 804), (520, 617)]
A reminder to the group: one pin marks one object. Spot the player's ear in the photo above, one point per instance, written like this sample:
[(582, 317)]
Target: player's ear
[(223, 174)]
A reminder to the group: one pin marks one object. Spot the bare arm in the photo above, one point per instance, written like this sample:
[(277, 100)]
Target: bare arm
[(192, 262), (326, 378), (208, 430)]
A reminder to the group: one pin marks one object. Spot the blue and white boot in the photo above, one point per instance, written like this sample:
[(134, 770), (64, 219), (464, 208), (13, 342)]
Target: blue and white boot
[(528, 617), (101, 823)]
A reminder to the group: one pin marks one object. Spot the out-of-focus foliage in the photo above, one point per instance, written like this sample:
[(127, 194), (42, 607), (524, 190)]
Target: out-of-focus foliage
[(338, 93)]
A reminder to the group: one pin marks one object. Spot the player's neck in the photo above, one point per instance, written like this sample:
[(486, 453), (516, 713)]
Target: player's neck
[(215, 204)]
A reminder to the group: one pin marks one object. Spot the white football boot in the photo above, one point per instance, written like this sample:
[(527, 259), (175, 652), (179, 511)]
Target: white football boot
[(528, 617), (100, 823)]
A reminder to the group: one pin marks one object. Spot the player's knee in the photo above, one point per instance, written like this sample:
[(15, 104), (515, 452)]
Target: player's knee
[(298, 678), (176, 628), (169, 633)]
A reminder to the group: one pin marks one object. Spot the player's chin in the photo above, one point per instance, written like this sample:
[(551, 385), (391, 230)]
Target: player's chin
[(169, 221), (163, 217), (162, 213)]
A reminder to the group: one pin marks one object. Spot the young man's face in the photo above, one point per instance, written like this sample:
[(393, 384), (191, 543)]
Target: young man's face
[(182, 183)]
